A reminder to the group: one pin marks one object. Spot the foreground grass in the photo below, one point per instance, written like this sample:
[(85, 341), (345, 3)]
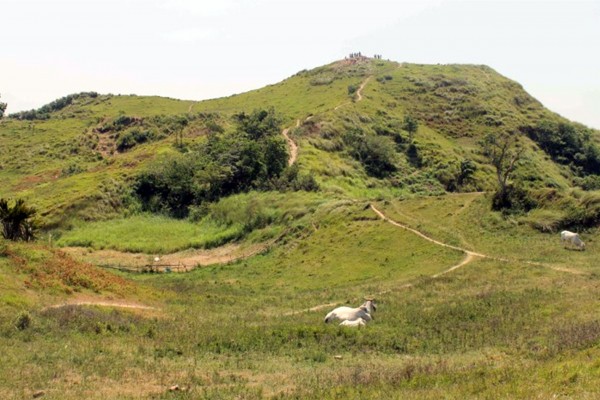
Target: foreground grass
[(488, 330)]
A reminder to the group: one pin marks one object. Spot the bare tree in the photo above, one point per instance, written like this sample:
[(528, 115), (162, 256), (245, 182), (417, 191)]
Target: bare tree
[(504, 153)]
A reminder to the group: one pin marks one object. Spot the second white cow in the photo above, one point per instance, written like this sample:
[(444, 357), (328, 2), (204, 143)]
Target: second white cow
[(570, 239)]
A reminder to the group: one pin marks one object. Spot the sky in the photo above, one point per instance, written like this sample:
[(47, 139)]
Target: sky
[(198, 49)]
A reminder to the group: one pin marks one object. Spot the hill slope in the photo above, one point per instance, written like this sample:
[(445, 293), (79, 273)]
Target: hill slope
[(472, 303), (81, 156)]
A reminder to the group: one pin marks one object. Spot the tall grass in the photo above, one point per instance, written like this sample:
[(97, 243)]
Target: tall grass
[(228, 220), (146, 233)]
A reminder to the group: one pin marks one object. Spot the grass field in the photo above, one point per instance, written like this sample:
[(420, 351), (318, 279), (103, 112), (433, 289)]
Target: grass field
[(521, 322), (488, 330)]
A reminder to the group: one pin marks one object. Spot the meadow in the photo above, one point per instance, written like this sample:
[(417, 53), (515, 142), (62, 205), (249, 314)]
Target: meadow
[(490, 329), (521, 322)]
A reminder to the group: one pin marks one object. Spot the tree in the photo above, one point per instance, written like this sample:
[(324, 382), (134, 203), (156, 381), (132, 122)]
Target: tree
[(503, 154), (17, 221), (258, 124), (2, 108), (411, 125)]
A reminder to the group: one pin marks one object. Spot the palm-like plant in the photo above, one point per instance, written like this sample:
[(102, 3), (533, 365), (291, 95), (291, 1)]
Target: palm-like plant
[(17, 221)]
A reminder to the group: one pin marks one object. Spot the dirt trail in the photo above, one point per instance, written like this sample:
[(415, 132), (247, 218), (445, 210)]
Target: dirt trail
[(362, 86), (190, 259), (469, 257), (291, 144), (416, 232), (91, 301), (472, 253), (101, 304), (359, 96)]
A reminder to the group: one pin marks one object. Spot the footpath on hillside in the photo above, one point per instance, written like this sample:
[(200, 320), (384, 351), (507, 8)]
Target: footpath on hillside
[(293, 147), (469, 257)]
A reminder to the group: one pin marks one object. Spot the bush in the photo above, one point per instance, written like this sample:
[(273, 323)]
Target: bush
[(291, 179), (567, 144), (23, 321), (514, 199), (556, 210), (17, 221), (374, 152), (590, 182), (72, 169), (133, 137)]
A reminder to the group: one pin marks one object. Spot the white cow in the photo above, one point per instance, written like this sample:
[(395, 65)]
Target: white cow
[(571, 238), (343, 314)]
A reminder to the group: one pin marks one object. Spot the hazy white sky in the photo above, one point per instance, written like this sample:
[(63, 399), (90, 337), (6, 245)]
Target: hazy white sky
[(198, 49)]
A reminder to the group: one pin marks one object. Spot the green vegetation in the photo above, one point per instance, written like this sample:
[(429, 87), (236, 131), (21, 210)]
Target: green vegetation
[(568, 144), (155, 176), (17, 221), (57, 105), (489, 329), (254, 156), (230, 219)]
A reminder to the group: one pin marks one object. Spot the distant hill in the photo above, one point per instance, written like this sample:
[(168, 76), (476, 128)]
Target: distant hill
[(78, 157)]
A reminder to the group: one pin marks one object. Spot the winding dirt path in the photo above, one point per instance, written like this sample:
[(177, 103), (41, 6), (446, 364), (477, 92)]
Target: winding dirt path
[(471, 255), (291, 144), (359, 96), (360, 89)]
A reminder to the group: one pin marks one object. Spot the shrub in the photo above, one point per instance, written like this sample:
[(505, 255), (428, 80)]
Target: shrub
[(17, 221), (72, 169), (513, 199), (374, 152), (133, 137), (568, 144), (2, 108), (23, 321), (590, 182), (291, 179), (213, 127)]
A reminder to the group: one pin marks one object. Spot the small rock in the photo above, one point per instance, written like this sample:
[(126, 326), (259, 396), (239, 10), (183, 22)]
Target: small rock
[(38, 393)]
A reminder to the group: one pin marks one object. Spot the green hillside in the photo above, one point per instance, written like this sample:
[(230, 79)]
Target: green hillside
[(81, 157), (393, 194)]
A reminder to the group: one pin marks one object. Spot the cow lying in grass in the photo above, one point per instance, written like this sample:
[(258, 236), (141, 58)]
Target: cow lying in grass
[(353, 316), (570, 239)]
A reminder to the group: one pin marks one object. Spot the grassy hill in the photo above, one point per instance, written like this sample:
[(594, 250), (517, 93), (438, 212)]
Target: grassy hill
[(78, 161), (473, 303)]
